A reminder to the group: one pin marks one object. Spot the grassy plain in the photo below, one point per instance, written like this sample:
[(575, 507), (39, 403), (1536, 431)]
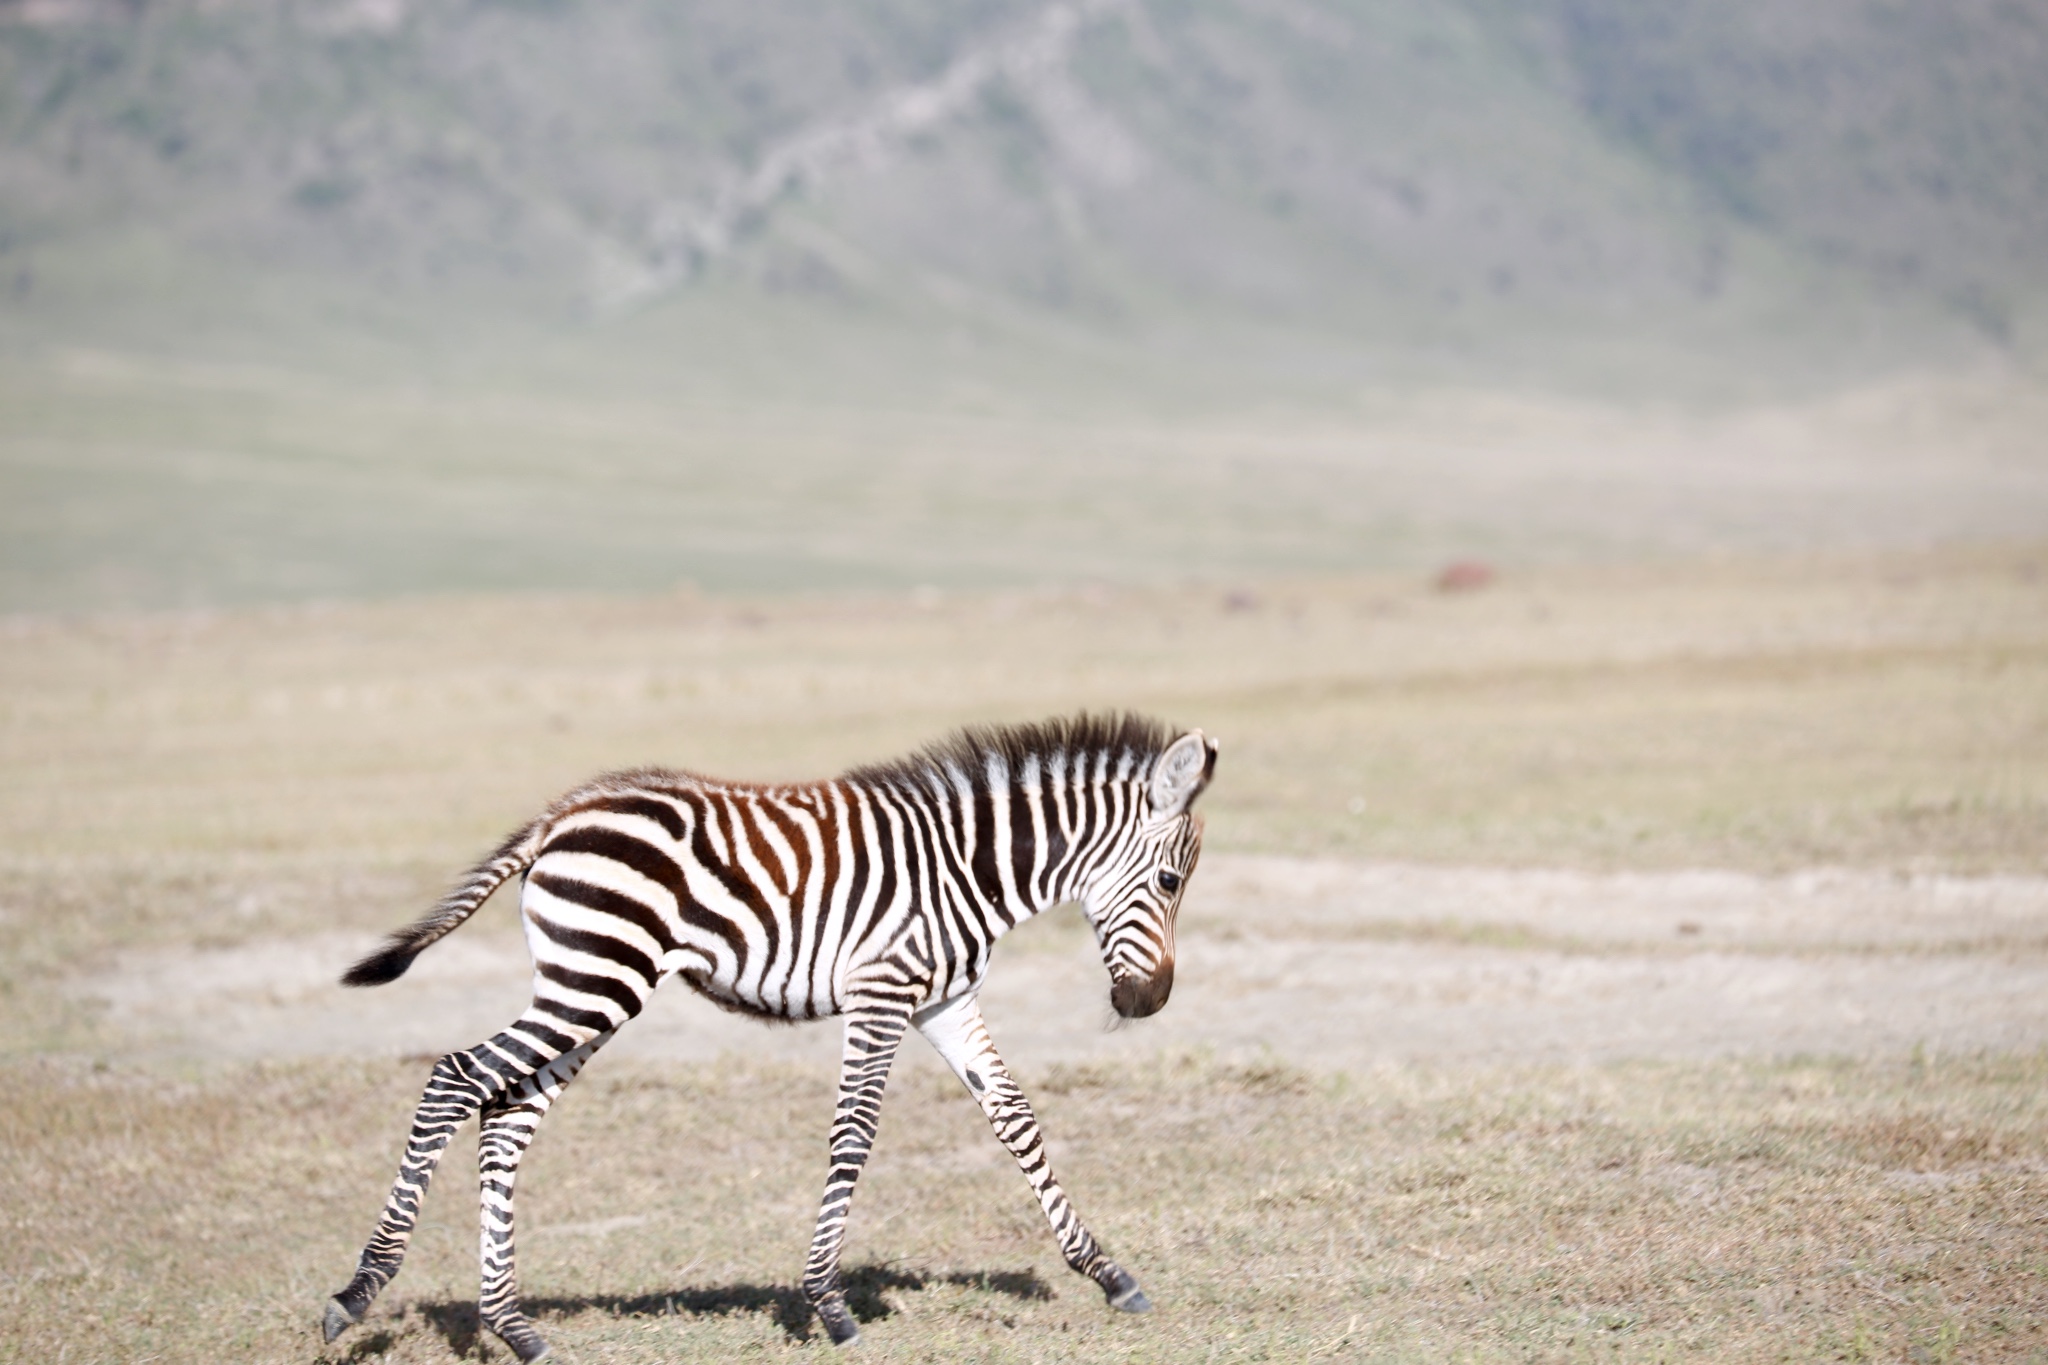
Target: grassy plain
[(135, 482), (218, 778), (1800, 1210)]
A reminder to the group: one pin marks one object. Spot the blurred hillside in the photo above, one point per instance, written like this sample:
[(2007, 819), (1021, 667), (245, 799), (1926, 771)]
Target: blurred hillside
[(309, 298), (1292, 194)]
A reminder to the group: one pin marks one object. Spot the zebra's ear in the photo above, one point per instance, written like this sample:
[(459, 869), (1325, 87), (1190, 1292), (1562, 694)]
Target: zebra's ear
[(1182, 773)]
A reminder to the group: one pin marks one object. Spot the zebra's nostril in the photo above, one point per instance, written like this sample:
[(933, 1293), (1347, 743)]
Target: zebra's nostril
[(1135, 997)]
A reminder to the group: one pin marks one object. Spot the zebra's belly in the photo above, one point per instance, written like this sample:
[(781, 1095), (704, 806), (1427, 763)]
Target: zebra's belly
[(729, 995)]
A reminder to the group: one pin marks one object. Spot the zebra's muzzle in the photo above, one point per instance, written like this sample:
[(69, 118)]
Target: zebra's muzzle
[(1134, 997)]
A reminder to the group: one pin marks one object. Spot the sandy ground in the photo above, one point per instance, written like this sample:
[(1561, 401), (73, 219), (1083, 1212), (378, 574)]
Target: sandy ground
[(1321, 964)]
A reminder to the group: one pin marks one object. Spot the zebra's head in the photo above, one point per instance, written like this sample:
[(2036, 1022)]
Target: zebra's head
[(1132, 904)]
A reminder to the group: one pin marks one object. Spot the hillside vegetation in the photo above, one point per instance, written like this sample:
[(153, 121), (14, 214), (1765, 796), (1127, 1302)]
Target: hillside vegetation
[(314, 298), (1536, 189)]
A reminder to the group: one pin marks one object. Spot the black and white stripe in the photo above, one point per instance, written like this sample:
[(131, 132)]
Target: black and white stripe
[(878, 895)]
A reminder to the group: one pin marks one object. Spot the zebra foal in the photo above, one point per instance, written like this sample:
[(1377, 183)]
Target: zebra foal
[(878, 896)]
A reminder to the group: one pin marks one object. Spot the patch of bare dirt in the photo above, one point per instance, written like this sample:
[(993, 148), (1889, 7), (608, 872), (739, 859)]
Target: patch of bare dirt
[(1322, 964)]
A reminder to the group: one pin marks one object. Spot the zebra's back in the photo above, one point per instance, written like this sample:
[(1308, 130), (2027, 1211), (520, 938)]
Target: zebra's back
[(763, 898)]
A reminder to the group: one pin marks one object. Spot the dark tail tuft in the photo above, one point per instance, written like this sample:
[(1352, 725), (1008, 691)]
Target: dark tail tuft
[(514, 856), (386, 964)]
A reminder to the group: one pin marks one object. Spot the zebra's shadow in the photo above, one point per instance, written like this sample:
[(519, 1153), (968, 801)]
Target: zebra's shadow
[(459, 1325)]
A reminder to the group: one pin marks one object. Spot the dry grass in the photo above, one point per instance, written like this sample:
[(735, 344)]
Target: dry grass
[(165, 778), (219, 777), (1800, 1210), (1884, 711), (178, 780)]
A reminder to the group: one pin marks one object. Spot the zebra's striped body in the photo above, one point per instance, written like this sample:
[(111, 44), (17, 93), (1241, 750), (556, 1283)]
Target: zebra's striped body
[(878, 896)]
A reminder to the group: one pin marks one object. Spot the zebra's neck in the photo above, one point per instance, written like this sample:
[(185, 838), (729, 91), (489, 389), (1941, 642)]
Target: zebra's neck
[(1061, 820)]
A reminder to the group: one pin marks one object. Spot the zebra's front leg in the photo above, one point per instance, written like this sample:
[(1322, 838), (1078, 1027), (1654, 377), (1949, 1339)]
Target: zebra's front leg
[(955, 1028), (506, 1129), (872, 1034)]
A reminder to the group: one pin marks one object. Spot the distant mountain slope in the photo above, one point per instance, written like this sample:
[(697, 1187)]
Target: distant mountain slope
[(1909, 139), (1484, 187)]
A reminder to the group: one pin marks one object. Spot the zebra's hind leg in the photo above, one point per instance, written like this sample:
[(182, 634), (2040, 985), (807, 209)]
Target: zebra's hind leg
[(462, 1083), (956, 1030), (507, 1128)]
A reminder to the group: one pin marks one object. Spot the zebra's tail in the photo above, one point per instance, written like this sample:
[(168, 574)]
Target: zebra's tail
[(389, 962)]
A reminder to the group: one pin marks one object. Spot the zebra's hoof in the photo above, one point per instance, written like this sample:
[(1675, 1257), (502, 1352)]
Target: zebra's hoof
[(527, 1345), (1123, 1293), (515, 1331), (336, 1320), (839, 1324)]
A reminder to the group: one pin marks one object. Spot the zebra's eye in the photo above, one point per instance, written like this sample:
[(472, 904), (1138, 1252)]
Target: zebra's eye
[(1169, 880)]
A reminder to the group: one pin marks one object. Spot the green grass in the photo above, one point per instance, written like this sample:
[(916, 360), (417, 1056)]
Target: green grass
[(133, 482)]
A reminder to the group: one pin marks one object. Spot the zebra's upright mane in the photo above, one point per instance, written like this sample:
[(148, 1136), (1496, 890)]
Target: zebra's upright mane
[(968, 750)]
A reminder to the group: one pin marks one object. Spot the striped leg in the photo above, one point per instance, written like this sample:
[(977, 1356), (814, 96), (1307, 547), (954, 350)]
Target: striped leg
[(507, 1128), (462, 1083), (955, 1028), (872, 1032)]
